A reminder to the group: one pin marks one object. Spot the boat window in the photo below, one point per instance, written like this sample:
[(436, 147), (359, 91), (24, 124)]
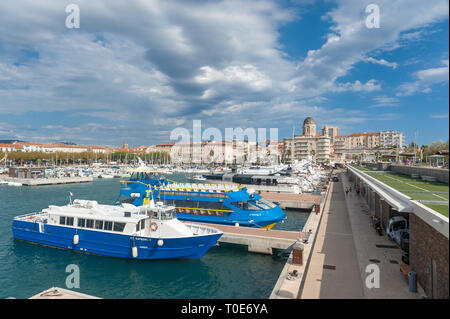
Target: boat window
[(62, 220), (99, 224), (154, 214), (240, 205), (143, 224), (69, 221), (119, 227), (138, 226), (81, 222), (89, 223), (167, 215), (108, 225), (253, 206), (268, 203)]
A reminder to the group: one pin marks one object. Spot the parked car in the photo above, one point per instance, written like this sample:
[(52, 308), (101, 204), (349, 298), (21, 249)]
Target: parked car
[(398, 231)]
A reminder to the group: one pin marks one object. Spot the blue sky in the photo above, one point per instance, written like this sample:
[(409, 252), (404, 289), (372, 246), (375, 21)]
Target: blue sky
[(136, 70)]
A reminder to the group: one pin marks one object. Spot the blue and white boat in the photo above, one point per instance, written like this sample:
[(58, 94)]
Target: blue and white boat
[(224, 204), (125, 231)]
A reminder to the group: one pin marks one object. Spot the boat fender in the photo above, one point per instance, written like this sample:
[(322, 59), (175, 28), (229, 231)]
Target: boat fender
[(134, 251), (153, 226), (76, 239), (160, 242)]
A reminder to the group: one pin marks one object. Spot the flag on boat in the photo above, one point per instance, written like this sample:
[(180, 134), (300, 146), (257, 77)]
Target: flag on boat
[(71, 194)]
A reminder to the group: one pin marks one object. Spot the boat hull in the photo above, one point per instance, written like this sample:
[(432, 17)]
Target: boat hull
[(114, 245)]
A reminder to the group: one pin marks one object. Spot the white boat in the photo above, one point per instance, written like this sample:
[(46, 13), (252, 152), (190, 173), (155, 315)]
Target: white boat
[(105, 176), (125, 231), (198, 178), (14, 184), (2, 182)]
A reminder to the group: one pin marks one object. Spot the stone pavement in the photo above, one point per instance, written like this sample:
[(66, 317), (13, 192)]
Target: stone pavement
[(346, 244), (333, 271), (379, 250)]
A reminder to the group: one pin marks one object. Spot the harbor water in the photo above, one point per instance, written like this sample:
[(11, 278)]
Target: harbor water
[(226, 271)]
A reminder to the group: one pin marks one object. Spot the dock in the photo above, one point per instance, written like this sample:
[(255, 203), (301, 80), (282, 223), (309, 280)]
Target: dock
[(341, 246), (257, 239), (48, 181), (296, 201)]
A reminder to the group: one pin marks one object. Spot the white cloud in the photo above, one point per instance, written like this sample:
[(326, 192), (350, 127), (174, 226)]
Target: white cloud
[(392, 65), (385, 101), (157, 62), (439, 116), (425, 79)]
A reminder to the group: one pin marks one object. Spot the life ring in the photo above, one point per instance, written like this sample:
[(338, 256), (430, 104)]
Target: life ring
[(153, 226)]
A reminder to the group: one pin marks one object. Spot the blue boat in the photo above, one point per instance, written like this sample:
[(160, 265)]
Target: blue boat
[(224, 204), (125, 231)]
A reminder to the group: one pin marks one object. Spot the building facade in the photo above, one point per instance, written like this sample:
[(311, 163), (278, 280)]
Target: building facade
[(392, 138), (308, 145)]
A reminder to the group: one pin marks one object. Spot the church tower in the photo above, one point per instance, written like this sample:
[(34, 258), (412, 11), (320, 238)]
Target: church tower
[(309, 127)]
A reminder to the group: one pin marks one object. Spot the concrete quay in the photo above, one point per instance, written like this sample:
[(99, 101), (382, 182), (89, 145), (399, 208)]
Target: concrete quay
[(345, 248), (295, 201), (257, 239), (288, 285), (48, 181)]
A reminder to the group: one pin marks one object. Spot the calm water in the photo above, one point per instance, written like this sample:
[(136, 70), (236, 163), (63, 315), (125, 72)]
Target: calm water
[(228, 271)]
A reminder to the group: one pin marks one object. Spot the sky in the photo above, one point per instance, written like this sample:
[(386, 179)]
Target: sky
[(136, 70)]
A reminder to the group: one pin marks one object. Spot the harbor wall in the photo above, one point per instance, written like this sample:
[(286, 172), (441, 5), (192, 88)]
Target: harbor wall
[(429, 251), (429, 239), (441, 174)]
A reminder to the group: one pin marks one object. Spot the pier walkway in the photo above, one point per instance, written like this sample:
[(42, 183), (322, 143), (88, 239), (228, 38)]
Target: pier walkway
[(346, 244), (257, 239), (333, 271)]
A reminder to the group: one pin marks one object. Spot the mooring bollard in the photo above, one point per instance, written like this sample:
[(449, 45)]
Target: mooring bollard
[(297, 254)]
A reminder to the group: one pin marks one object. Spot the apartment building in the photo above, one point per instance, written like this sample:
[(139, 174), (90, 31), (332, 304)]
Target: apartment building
[(308, 145), (392, 138)]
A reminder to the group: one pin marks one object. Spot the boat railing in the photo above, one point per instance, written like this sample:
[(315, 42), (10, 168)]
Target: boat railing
[(201, 229), (26, 216)]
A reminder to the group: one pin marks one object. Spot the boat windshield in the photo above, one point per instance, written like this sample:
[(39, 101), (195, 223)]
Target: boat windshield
[(254, 205), (166, 215)]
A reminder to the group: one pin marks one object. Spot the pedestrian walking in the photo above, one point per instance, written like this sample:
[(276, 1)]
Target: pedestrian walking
[(346, 191), (358, 190)]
